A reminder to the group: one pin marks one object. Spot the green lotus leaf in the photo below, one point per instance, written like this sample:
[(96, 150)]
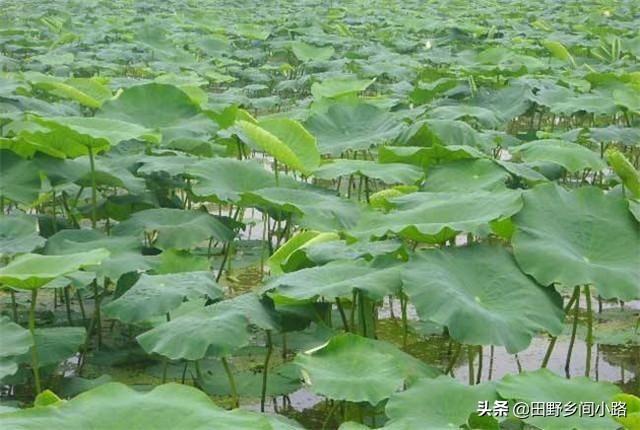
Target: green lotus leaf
[(18, 234), (154, 295), (101, 129), (627, 172), (86, 91), (124, 251), (631, 420), (383, 199), (438, 403), (559, 51), (298, 241), (227, 179), (171, 164), (286, 140), (443, 132), (613, 133), (8, 367), (390, 173), (55, 344), (341, 86), (215, 330), (15, 339), (571, 156), (175, 228), (579, 237), (150, 105), (337, 279), (324, 252), (522, 170), (208, 331), (19, 178), (481, 295), (31, 271), (357, 369), (543, 385), (425, 157), (313, 208), (466, 175), (282, 380), (352, 126), (435, 217), (486, 117), (115, 406), (306, 52)]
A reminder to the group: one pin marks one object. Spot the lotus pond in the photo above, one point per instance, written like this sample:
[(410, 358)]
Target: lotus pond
[(321, 215)]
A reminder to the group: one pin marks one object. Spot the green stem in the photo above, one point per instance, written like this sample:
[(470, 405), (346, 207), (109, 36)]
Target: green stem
[(265, 371), (479, 375), (94, 194), (67, 304), (405, 325), (232, 382), (14, 306), (34, 350), (554, 339), (470, 358), (454, 359), (342, 314), (574, 329), (587, 294)]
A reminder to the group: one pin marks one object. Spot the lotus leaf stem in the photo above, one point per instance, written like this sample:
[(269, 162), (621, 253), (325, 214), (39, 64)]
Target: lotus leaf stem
[(34, 349), (265, 370), (587, 294), (574, 328), (232, 383)]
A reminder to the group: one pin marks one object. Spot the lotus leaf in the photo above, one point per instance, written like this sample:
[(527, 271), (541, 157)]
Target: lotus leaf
[(591, 234), (481, 295)]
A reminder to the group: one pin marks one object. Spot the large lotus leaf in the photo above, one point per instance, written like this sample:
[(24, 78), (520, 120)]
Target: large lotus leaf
[(324, 252), (613, 133), (340, 86), (443, 132), (284, 252), (115, 406), (571, 156), (227, 179), (257, 310), (522, 170), (15, 339), (175, 228), (486, 117), (338, 279), (101, 129), (282, 380), (170, 163), (31, 271), (543, 385), (18, 234), (305, 52), (208, 331), (151, 105), (435, 217), (55, 344), (390, 173), (124, 251), (357, 369), (427, 156), (316, 208), (579, 237), (466, 175), (439, 403), (86, 91), (286, 140), (19, 178), (156, 295), (481, 295), (352, 126)]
